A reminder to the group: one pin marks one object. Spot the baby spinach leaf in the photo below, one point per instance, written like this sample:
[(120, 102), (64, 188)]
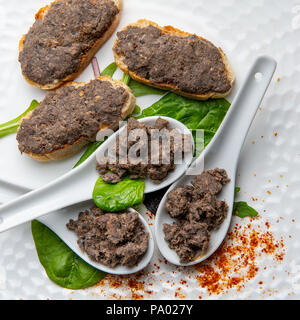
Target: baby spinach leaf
[(62, 266), (126, 78), (13, 125), (136, 112), (242, 209), (206, 115), (139, 89), (120, 196), (89, 151), (236, 191), (110, 70)]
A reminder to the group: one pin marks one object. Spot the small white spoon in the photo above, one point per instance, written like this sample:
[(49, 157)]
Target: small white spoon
[(77, 186), (223, 152), (57, 223)]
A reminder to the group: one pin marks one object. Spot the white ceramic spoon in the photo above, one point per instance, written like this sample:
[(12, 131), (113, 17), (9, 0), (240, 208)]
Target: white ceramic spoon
[(223, 152), (57, 223), (77, 186)]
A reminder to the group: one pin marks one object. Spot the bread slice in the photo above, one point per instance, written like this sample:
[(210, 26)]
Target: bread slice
[(85, 60), (120, 60), (70, 150)]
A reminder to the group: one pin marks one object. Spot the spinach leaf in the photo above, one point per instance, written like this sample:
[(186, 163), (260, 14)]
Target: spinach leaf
[(63, 266), (242, 209), (120, 196), (236, 191), (13, 125), (110, 70), (206, 115), (89, 151), (137, 110), (126, 78), (140, 89)]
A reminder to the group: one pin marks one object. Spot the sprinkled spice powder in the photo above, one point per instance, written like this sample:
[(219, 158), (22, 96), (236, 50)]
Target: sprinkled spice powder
[(132, 283), (234, 264), (236, 261)]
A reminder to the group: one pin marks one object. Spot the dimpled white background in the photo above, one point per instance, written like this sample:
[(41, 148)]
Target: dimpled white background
[(269, 164)]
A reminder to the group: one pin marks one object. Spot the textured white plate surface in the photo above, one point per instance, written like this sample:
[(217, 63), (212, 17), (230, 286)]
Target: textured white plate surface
[(269, 174)]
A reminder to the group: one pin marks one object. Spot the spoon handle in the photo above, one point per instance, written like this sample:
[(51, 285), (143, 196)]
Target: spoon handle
[(74, 187), (226, 146)]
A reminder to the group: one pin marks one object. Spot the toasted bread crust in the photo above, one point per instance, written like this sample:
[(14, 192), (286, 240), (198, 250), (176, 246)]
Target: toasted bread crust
[(173, 31), (85, 60), (70, 150)]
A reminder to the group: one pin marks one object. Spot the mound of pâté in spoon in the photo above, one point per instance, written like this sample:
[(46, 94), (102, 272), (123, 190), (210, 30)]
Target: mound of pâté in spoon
[(198, 212), (112, 239), (154, 152)]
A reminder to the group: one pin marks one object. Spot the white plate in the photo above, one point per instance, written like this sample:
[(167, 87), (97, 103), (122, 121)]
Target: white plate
[(244, 29)]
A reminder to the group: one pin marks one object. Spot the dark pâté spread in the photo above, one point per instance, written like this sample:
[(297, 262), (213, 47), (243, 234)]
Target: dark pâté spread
[(111, 238), (189, 63), (70, 113), (113, 171), (198, 212), (55, 45)]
